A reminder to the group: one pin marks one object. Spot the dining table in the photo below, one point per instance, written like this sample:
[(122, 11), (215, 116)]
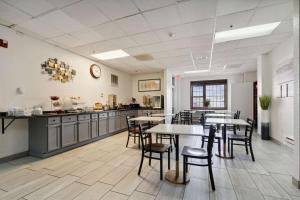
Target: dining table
[(225, 122), (218, 115), (162, 115), (175, 176), (148, 119)]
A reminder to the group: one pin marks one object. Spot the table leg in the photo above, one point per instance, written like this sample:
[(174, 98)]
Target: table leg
[(223, 153), (176, 176)]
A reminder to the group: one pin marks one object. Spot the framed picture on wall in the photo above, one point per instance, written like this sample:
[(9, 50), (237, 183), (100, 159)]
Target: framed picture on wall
[(149, 85)]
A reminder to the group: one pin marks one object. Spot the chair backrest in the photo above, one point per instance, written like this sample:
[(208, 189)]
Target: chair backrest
[(175, 119), (145, 138), (235, 116), (202, 119), (130, 124), (238, 114), (211, 137), (249, 129)]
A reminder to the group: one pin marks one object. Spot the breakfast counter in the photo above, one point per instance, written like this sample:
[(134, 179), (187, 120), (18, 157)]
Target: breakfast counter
[(54, 133)]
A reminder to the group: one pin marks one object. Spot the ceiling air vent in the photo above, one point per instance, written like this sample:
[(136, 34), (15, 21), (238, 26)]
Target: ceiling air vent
[(143, 57)]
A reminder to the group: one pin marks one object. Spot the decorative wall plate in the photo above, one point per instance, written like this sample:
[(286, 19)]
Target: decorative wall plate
[(58, 71)]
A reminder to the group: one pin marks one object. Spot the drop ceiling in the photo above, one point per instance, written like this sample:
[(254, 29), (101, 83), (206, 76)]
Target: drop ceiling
[(172, 32)]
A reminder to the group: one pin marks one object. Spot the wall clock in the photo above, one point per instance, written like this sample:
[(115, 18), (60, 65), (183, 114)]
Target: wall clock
[(95, 71)]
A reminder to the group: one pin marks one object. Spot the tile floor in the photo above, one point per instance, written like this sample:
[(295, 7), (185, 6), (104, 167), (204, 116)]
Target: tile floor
[(107, 170)]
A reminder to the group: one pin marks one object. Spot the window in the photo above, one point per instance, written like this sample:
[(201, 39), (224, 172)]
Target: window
[(215, 91), (114, 80)]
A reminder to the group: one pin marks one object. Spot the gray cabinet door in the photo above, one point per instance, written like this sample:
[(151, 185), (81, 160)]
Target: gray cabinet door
[(102, 127), (123, 122), (69, 134), (118, 122), (53, 137), (84, 130), (112, 124), (94, 128)]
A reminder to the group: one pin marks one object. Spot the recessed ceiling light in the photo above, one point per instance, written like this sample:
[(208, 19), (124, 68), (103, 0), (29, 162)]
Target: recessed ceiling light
[(108, 55), (243, 33), (196, 71)]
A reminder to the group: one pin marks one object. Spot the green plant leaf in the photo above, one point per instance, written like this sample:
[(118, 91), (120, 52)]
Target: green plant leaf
[(265, 102)]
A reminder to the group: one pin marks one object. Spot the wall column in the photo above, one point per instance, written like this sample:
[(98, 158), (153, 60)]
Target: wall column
[(168, 91), (264, 83), (296, 171)]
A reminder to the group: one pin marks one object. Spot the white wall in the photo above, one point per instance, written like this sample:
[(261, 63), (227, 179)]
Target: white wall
[(282, 109), (20, 67), (234, 82), (139, 95)]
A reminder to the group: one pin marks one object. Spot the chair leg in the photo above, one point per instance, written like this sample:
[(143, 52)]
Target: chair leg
[(150, 156), (156, 139), (169, 166), (231, 148), (171, 143), (186, 165), (134, 138), (139, 142), (161, 166), (211, 176), (219, 146), (184, 170), (234, 130), (202, 142), (246, 147), (228, 146), (141, 164), (127, 140), (251, 151)]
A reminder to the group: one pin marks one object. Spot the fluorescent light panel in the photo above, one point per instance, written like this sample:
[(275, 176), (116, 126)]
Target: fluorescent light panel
[(196, 71), (243, 33), (108, 55)]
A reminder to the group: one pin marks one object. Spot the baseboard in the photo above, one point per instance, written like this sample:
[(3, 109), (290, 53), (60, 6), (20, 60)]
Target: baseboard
[(14, 156), (296, 182)]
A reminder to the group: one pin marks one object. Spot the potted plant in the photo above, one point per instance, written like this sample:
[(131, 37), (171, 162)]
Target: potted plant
[(206, 103), (265, 102)]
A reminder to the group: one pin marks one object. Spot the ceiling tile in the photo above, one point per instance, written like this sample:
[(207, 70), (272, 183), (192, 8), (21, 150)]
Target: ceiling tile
[(88, 36), (124, 42), (145, 38), (86, 13), (225, 7), (163, 17), (172, 53), (109, 30), (115, 9), (237, 20), (273, 13), (152, 4), (62, 21), (135, 51), (264, 3), (277, 38), (203, 40), (11, 14), (62, 3), (97, 47), (225, 46), (257, 41), (31, 7), (174, 32), (133, 24), (202, 27), (67, 41), (196, 10), (284, 27), (36, 26)]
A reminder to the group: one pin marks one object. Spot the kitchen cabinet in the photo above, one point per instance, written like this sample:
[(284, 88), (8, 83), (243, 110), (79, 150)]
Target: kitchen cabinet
[(111, 122), (69, 131), (103, 129), (54, 137), (118, 121), (94, 126), (123, 119), (84, 127)]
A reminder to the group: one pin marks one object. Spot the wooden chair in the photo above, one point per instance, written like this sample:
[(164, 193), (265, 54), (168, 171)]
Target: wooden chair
[(200, 153), (243, 140), (185, 117), (169, 137), (148, 148), (133, 130)]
